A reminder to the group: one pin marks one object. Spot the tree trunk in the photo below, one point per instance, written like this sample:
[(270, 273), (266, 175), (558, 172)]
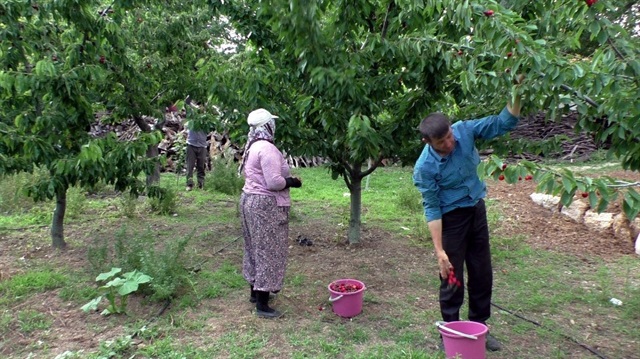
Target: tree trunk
[(154, 177), (57, 223), (356, 207), (152, 151)]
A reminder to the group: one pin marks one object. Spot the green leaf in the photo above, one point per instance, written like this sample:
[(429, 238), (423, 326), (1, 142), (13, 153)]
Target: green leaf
[(92, 305), (566, 198), (593, 199), (114, 283), (127, 287), (109, 274), (569, 184), (630, 206)]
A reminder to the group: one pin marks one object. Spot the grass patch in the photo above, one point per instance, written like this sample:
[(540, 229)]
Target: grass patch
[(198, 252), (34, 281)]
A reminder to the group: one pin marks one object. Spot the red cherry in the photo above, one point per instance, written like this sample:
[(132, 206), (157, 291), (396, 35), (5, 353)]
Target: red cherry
[(509, 54), (102, 59), (488, 13), (585, 194), (501, 178), (528, 177), (504, 166)]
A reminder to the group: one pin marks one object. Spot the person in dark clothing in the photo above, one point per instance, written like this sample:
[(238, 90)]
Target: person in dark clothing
[(196, 157)]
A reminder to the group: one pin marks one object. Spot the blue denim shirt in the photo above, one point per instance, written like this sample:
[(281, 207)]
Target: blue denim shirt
[(451, 182)]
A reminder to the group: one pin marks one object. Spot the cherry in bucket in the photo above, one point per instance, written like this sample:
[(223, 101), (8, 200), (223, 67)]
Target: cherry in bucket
[(345, 288)]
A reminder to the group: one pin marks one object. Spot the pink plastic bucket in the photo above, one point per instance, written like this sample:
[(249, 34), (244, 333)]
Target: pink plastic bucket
[(459, 342), (347, 304)]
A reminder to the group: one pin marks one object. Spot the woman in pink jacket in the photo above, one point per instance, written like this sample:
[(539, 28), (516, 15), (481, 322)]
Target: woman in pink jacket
[(264, 211)]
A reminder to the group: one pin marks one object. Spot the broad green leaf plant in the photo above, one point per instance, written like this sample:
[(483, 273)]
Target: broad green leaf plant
[(116, 290)]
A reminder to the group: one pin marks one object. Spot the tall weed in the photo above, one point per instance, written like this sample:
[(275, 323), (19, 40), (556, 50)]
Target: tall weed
[(224, 177), (76, 202), (13, 199), (166, 263), (162, 201)]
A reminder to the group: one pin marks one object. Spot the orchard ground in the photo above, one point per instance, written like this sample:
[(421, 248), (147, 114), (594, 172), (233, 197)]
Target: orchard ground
[(548, 270)]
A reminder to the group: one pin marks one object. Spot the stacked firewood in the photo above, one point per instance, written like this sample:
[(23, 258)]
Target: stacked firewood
[(173, 144), (579, 146)]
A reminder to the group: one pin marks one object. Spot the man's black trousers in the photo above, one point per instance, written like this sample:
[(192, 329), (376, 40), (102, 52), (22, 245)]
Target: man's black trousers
[(465, 239)]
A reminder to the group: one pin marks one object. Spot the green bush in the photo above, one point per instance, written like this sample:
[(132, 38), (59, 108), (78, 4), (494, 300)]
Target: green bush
[(162, 200), (13, 199), (141, 251), (76, 202), (409, 199), (224, 177), (128, 204)]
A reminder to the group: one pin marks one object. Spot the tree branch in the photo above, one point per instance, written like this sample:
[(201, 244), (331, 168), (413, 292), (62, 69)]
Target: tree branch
[(385, 24), (348, 173), (373, 167)]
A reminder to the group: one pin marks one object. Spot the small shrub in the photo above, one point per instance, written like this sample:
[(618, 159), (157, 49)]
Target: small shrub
[(98, 255), (409, 199), (165, 263), (13, 199), (168, 268), (128, 204), (76, 202), (224, 177), (162, 200)]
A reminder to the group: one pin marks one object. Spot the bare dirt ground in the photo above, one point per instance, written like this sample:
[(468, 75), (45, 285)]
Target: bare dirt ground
[(388, 263), (547, 230)]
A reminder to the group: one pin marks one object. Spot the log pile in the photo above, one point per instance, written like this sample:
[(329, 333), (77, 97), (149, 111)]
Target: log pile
[(173, 144), (578, 147)]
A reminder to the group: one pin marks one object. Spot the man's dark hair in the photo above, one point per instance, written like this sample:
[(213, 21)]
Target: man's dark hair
[(434, 126)]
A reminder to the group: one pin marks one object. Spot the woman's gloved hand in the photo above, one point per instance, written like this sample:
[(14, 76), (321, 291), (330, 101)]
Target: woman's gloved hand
[(293, 182)]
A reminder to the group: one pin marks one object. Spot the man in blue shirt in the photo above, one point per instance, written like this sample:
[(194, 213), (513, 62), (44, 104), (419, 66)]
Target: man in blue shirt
[(452, 194)]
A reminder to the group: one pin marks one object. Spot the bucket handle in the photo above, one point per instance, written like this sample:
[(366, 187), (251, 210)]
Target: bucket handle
[(440, 325)]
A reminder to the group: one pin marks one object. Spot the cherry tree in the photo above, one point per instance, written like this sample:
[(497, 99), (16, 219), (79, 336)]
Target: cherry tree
[(353, 79)]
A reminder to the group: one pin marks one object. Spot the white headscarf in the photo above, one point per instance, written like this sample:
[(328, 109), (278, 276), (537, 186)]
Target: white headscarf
[(262, 126)]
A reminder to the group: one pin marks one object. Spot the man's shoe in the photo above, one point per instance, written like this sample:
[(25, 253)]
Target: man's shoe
[(492, 343)]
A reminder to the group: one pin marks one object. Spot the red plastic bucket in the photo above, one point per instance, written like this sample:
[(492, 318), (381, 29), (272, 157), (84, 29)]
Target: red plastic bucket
[(346, 304), (464, 339)]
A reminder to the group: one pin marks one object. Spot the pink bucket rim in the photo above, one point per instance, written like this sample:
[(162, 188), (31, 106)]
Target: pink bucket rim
[(347, 280), (455, 336)]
